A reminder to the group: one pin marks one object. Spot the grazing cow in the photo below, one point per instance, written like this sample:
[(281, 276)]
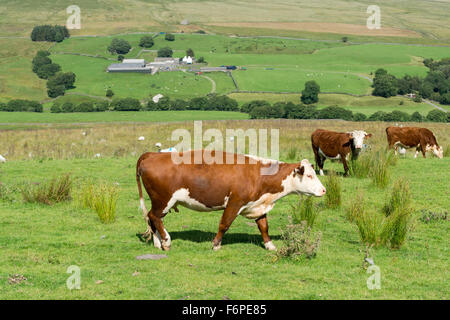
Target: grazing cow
[(238, 189), (411, 137), (337, 146)]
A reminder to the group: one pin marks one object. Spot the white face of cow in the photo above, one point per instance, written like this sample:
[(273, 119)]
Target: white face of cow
[(306, 182), (437, 151), (358, 137)]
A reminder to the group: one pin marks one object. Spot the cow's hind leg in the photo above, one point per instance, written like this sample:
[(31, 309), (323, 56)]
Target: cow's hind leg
[(263, 227), (161, 238)]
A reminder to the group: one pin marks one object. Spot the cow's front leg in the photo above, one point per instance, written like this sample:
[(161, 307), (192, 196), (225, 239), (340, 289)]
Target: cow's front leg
[(229, 214), (344, 162), (263, 227)]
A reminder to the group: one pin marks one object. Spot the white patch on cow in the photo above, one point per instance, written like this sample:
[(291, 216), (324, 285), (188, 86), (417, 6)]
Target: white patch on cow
[(308, 184), (321, 172), (181, 197), (158, 242), (325, 156), (270, 246)]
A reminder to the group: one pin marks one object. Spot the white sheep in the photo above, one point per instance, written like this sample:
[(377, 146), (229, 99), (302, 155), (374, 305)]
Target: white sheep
[(141, 138), (158, 146), (2, 159)]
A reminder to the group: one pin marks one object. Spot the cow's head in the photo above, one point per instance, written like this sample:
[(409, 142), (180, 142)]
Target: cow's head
[(437, 151), (358, 137), (306, 180)]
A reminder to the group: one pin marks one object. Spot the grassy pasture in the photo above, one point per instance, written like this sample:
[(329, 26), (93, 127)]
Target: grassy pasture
[(40, 242), (427, 20)]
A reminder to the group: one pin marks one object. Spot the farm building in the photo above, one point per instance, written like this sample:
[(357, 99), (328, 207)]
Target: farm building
[(130, 65)]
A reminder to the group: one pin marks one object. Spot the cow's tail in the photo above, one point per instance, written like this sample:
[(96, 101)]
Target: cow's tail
[(141, 197)]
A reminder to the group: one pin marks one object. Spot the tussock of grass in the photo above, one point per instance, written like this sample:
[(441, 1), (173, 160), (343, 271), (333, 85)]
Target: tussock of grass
[(379, 170), (400, 197), (447, 152), (101, 198), (333, 196), (305, 211), (356, 208), (388, 227), (56, 190), (298, 242), (292, 153)]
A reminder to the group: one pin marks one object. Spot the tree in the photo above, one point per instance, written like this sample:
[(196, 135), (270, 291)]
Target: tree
[(55, 108), (84, 107), (416, 117), (437, 116), (165, 52), (67, 107), (335, 112), (198, 103), (384, 85), (169, 37), (39, 61), (359, 117), (311, 92), (146, 42), (190, 52), (101, 106), (120, 58), (48, 70), (344, 39), (126, 104), (59, 83), (201, 60), (249, 106), (377, 116), (109, 93), (119, 46)]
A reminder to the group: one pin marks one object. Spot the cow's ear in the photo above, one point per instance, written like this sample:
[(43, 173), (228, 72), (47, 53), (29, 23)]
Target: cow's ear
[(368, 135), (300, 170), (312, 166)]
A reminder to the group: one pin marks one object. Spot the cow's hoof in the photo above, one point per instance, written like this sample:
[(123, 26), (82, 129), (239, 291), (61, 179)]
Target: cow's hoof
[(270, 246), (166, 248), (215, 248)]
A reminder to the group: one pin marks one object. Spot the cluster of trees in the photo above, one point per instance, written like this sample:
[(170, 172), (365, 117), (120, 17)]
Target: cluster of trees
[(435, 86), (59, 83), (260, 109), (68, 107), (19, 105), (209, 103), (49, 33), (43, 65), (119, 46), (311, 92)]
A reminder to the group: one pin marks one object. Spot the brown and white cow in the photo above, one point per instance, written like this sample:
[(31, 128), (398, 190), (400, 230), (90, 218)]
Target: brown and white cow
[(238, 189), (411, 137), (337, 146)]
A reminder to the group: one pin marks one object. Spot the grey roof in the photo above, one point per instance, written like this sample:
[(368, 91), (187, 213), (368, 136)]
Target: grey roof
[(126, 66)]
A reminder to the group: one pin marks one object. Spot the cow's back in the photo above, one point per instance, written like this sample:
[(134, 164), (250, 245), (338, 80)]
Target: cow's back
[(410, 136), (330, 142), (208, 183)]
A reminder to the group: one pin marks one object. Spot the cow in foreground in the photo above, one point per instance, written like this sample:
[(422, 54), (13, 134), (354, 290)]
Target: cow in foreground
[(337, 146), (411, 137), (238, 189)]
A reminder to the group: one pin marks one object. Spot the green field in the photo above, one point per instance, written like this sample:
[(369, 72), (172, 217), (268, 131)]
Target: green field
[(40, 242)]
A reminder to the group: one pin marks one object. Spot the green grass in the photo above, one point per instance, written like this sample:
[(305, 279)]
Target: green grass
[(40, 242), (117, 116)]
